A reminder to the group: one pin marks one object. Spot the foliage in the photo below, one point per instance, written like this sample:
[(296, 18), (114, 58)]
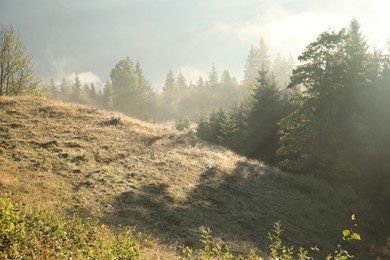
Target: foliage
[(113, 120), (252, 128), (130, 89), (182, 124), (16, 73), (337, 131), (34, 234), (277, 249)]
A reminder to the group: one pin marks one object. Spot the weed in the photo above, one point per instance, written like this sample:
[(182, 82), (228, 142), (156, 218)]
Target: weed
[(182, 124), (33, 234), (113, 120)]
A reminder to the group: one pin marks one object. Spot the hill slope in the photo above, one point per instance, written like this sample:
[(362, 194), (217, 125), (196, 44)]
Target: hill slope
[(164, 182)]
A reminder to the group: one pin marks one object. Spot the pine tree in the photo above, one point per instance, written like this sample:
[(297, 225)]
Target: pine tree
[(181, 81), (53, 89), (282, 69), (170, 82), (257, 58), (65, 90), (226, 80), (107, 97), (234, 131), (323, 136), (213, 81), (266, 108), (200, 83), (76, 89), (251, 69)]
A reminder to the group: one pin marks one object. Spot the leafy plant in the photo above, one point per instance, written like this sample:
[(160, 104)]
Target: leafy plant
[(33, 234), (113, 120), (182, 124)]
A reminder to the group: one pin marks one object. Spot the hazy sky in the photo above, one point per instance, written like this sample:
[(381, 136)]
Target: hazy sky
[(90, 36)]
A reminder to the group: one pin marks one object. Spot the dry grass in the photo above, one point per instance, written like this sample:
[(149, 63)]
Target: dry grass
[(164, 182)]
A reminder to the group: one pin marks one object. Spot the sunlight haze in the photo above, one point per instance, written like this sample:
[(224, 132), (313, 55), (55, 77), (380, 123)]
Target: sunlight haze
[(88, 37)]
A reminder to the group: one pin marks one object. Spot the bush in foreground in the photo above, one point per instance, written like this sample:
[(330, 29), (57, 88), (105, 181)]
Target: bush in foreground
[(26, 234)]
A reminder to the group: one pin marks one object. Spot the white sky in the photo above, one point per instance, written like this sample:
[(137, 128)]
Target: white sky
[(90, 36)]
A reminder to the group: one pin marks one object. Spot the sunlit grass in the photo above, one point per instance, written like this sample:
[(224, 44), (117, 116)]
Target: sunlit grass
[(164, 182)]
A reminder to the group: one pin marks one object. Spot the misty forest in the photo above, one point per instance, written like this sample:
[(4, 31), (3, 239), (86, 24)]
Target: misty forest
[(316, 126)]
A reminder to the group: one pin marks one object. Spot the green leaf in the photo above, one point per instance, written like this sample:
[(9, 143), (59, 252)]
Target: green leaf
[(346, 233), (356, 236)]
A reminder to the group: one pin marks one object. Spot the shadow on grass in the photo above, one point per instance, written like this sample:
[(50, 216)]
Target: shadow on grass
[(240, 207)]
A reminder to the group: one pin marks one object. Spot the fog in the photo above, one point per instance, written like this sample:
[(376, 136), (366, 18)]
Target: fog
[(89, 37)]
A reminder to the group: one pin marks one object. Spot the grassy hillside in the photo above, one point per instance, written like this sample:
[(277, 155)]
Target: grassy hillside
[(164, 182)]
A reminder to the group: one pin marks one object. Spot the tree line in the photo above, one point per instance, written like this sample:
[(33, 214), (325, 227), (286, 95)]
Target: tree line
[(329, 118), (332, 121), (129, 91)]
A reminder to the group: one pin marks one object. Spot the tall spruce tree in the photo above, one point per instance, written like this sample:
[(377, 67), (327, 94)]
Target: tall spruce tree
[(107, 97), (76, 89), (181, 81), (323, 136), (266, 108), (213, 81)]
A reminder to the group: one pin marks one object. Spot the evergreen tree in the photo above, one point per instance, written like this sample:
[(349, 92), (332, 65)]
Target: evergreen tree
[(323, 136), (108, 95), (200, 83), (50, 89), (181, 81), (211, 128), (257, 58), (235, 130), (251, 69), (143, 84), (53, 89), (170, 82), (92, 93), (282, 69), (65, 90), (76, 89), (226, 80), (265, 109), (213, 78)]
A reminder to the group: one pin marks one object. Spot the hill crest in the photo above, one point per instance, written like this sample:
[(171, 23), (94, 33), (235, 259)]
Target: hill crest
[(162, 181)]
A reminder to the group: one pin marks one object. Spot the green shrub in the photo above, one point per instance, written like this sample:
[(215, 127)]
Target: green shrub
[(182, 124), (113, 120), (277, 249), (28, 235)]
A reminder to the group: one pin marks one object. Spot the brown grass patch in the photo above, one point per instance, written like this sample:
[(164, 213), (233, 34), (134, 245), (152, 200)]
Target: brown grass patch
[(164, 182)]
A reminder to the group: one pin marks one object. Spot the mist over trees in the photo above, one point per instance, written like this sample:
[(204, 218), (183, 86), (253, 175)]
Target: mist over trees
[(327, 117), (335, 125)]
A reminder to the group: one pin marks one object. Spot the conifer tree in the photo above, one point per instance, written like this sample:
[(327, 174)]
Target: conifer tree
[(170, 82), (213, 81), (257, 58), (323, 136), (65, 90), (107, 97), (76, 89), (226, 80), (181, 81), (200, 83), (266, 108)]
